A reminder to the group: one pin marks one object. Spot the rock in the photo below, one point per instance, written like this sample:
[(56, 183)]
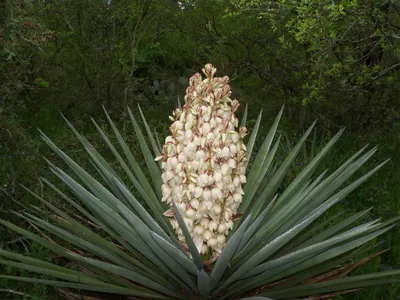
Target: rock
[(164, 87), (148, 90), (156, 87), (171, 89), (182, 81)]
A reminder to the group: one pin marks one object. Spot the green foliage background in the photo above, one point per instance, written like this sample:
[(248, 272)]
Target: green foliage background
[(335, 61)]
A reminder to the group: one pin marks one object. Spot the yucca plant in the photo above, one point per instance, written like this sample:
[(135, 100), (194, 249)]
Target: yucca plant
[(210, 223)]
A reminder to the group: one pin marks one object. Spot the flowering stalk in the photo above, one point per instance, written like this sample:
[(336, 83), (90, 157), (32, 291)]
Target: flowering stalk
[(203, 162)]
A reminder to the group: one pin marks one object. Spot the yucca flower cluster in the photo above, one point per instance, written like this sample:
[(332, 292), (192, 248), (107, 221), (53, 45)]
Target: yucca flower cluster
[(203, 162)]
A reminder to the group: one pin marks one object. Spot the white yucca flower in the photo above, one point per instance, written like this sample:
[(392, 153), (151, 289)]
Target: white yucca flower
[(203, 162)]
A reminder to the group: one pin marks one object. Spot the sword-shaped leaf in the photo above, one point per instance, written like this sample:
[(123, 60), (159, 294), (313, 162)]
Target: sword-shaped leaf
[(227, 253), (189, 241), (204, 285), (273, 185), (244, 117), (156, 149), (154, 169)]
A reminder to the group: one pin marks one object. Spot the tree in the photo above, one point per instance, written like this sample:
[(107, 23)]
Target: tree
[(343, 55)]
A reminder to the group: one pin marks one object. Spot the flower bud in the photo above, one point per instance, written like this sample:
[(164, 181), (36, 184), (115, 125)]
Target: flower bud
[(182, 207), (206, 128), (225, 169), (203, 179), (191, 187), (211, 180), (221, 239), (217, 209), (217, 176), (219, 185), (229, 224), (174, 223), (221, 228), (225, 152), (216, 193), (207, 195), (237, 198), (195, 203), (188, 222), (188, 134), (197, 192), (204, 222), (227, 216), (166, 191), (181, 157), (207, 205), (212, 242), (230, 187), (195, 165), (232, 163), (239, 190), (212, 225), (236, 181), (200, 154), (190, 213), (233, 149), (207, 234), (198, 230)]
